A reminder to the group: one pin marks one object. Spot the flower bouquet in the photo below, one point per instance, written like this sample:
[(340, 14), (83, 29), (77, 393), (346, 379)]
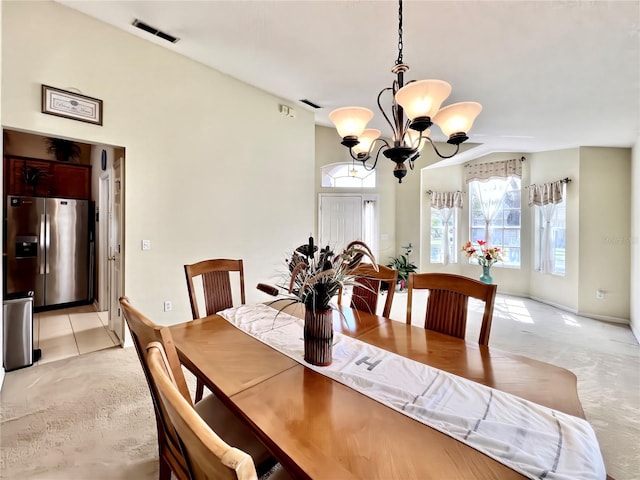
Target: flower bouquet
[(486, 256), (314, 281)]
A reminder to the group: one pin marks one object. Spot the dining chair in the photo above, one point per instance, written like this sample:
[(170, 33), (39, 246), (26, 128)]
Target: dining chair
[(366, 290), (213, 411), (215, 276), (207, 455), (447, 302)]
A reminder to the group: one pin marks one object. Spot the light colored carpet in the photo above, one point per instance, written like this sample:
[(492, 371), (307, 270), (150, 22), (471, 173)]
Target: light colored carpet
[(91, 417), (85, 417)]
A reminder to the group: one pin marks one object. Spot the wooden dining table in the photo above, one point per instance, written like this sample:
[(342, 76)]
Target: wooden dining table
[(318, 428)]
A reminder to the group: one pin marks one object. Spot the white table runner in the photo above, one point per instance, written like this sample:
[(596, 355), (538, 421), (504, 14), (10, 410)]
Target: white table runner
[(534, 440)]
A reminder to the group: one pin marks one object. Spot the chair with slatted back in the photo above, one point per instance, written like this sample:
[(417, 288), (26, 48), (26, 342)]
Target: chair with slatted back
[(447, 302), (215, 275), (366, 291), (144, 331), (207, 455)]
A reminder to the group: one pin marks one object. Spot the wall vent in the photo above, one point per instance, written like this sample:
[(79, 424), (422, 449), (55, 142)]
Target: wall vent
[(310, 103), (154, 31)]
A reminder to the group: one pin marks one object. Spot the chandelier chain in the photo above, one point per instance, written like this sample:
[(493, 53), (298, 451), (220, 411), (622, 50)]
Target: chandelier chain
[(400, 44)]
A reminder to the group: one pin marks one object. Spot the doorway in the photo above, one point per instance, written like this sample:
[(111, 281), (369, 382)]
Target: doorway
[(343, 218), (110, 241), (110, 237), (103, 188)]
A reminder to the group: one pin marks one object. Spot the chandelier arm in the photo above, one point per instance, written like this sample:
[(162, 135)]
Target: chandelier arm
[(393, 128), (435, 149), (375, 162), (405, 131), (364, 158)]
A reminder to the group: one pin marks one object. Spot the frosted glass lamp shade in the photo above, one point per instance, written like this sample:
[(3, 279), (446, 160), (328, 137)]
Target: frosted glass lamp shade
[(422, 98), (350, 121), (458, 117), (366, 139)]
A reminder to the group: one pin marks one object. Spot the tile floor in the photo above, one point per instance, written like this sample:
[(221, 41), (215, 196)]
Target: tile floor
[(71, 331)]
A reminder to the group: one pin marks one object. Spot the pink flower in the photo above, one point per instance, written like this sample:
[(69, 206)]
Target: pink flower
[(486, 255)]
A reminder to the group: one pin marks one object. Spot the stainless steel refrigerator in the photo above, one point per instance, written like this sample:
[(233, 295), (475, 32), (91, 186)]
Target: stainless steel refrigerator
[(48, 249)]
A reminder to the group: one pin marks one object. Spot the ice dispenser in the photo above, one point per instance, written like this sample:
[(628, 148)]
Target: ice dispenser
[(26, 246)]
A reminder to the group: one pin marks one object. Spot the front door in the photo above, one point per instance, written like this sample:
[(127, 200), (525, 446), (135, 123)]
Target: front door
[(340, 220)]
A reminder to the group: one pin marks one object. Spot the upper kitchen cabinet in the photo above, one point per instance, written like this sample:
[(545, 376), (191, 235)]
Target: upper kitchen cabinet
[(45, 178), (71, 181)]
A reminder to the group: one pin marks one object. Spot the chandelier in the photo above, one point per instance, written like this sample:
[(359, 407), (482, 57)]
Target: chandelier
[(420, 101)]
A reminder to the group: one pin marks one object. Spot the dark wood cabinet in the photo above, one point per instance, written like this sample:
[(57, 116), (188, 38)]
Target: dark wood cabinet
[(45, 178), (71, 181)]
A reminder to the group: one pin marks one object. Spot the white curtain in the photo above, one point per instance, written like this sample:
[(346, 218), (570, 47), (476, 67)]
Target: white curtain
[(490, 187), (369, 225), (545, 197), (491, 196), (546, 252), (446, 202)]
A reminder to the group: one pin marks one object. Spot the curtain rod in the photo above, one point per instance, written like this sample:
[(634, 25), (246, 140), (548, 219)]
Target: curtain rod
[(564, 180), (429, 192), (522, 159)]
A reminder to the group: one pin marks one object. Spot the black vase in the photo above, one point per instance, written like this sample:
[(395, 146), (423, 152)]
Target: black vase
[(318, 337)]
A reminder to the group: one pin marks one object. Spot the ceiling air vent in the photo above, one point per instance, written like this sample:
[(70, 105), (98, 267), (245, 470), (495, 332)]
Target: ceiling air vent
[(154, 31), (310, 103)]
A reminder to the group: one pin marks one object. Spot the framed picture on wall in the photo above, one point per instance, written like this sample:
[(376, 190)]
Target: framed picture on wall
[(71, 105)]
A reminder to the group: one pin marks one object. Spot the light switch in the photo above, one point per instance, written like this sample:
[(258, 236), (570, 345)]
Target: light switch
[(146, 244)]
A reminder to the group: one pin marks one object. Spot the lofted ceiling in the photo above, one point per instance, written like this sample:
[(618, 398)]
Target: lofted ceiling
[(549, 74)]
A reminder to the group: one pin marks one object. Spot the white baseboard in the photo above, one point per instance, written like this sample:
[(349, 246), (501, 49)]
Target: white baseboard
[(605, 318), (635, 329), (553, 304)]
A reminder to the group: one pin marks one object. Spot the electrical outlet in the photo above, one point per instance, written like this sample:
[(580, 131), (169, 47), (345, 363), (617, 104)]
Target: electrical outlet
[(600, 294), (146, 244), (168, 306)]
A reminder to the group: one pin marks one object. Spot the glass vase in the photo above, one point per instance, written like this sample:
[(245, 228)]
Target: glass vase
[(486, 275), (318, 337)]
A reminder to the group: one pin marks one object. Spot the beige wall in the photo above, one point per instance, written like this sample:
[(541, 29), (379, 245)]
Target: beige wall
[(35, 146), (635, 240), (598, 233), (604, 231), (410, 212), (1, 226), (548, 167), (439, 179), (199, 182), (510, 280), (328, 150)]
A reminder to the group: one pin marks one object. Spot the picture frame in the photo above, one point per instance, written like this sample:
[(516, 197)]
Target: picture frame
[(74, 106)]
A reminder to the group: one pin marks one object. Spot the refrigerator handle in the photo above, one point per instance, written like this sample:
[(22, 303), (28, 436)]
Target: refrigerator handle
[(47, 241), (41, 243)]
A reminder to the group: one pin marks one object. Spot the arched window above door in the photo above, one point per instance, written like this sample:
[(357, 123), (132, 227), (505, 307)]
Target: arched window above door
[(347, 175)]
